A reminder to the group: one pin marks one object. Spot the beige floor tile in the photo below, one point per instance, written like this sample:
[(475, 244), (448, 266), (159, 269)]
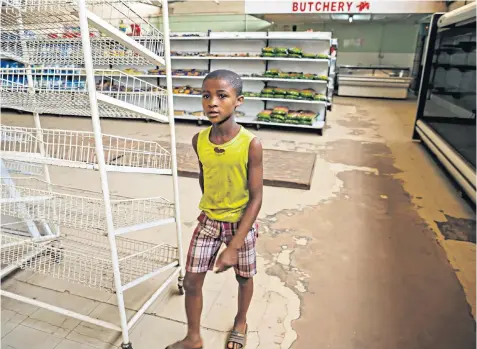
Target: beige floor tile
[(18, 307), (18, 319), (23, 337), (154, 332), (68, 344), (97, 336), (7, 315), (8, 327), (43, 326), (173, 307)]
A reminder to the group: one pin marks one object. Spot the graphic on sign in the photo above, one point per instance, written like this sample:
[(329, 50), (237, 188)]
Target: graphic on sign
[(330, 6)]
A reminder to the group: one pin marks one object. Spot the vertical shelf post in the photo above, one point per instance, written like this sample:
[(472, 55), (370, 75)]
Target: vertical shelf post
[(170, 110), (98, 141)]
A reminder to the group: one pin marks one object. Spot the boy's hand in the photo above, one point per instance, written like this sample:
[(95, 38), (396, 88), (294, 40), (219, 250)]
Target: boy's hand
[(228, 258)]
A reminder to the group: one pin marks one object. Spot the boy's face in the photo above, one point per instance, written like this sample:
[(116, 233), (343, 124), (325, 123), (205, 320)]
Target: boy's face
[(219, 100)]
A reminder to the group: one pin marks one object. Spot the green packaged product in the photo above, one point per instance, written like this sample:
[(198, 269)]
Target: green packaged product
[(307, 93), (265, 114), (309, 55), (294, 75), (283, 75), (278, 118), (320, 98), (279, 91), (280, 110), (308, 76), (321, 77), (254, 94), (268, 50), (295, 51), (292, 97), (279, 96), (293, 115), (292, 55), (292, 122), (292, 92), (322, 56), (265, 95), (268, 54), (281, 55), (307, 115), (272, 72), (281, 50), (268, 90)]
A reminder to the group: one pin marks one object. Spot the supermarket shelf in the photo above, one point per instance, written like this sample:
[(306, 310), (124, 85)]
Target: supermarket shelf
[(264, 99), (252, 120), (77, 149), (85, 258), (244, 78), (65, 91), (318, 125), (82, 209), (45, 40), (247, 37), (283, 59)]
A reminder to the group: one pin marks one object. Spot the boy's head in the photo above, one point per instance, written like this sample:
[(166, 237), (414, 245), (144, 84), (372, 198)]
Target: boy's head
[(221, 95)]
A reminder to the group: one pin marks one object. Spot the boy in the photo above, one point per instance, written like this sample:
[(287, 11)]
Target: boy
[(231, 180)]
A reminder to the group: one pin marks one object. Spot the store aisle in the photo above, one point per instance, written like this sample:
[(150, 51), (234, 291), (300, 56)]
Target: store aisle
[(358, 261)]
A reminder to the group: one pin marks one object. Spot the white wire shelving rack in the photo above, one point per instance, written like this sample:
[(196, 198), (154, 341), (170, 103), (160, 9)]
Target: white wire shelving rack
[(65, 91), (60, 42), (77, 149)]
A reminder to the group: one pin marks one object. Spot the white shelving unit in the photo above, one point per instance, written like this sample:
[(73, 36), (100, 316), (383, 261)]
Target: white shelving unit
[(241, 52), (59, 42)]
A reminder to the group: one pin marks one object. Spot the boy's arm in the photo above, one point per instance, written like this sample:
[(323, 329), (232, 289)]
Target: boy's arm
[(229, 256), (201, 174)]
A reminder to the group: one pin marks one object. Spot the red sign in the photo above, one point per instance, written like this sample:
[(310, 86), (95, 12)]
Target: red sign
[(330, 6)]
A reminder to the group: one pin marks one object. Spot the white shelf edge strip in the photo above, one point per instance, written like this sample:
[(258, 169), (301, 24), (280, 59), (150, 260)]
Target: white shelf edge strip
[(131, 107), (265, 99), (283, 59), (244, 78), (62, 311), (114, 33), (142, 226), (153, 298), (150, 275), (185, 38)]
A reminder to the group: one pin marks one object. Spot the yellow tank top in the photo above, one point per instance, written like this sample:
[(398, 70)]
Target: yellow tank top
[(225, 173)]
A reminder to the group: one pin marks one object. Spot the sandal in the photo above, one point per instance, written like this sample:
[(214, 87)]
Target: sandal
[(238, 338)]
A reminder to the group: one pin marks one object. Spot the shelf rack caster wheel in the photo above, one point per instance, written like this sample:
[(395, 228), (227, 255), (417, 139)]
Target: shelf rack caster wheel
[(126, 346), (199, 122), (257, 127), (180, 286), (320, 132)]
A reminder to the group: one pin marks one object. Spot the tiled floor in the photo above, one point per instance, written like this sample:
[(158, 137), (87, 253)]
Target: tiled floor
[(358, 261)]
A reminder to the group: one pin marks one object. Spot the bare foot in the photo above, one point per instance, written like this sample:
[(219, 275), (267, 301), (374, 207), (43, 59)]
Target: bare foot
[(187, 343)]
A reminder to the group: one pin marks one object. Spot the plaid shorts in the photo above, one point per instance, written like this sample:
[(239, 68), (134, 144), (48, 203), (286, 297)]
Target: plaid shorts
[(206, 241)]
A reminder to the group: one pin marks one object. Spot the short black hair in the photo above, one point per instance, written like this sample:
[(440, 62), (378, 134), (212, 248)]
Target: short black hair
[(232, 78)]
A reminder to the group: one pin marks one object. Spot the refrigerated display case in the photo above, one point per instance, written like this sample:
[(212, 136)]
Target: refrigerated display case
[(374, 81), (445, 118)]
